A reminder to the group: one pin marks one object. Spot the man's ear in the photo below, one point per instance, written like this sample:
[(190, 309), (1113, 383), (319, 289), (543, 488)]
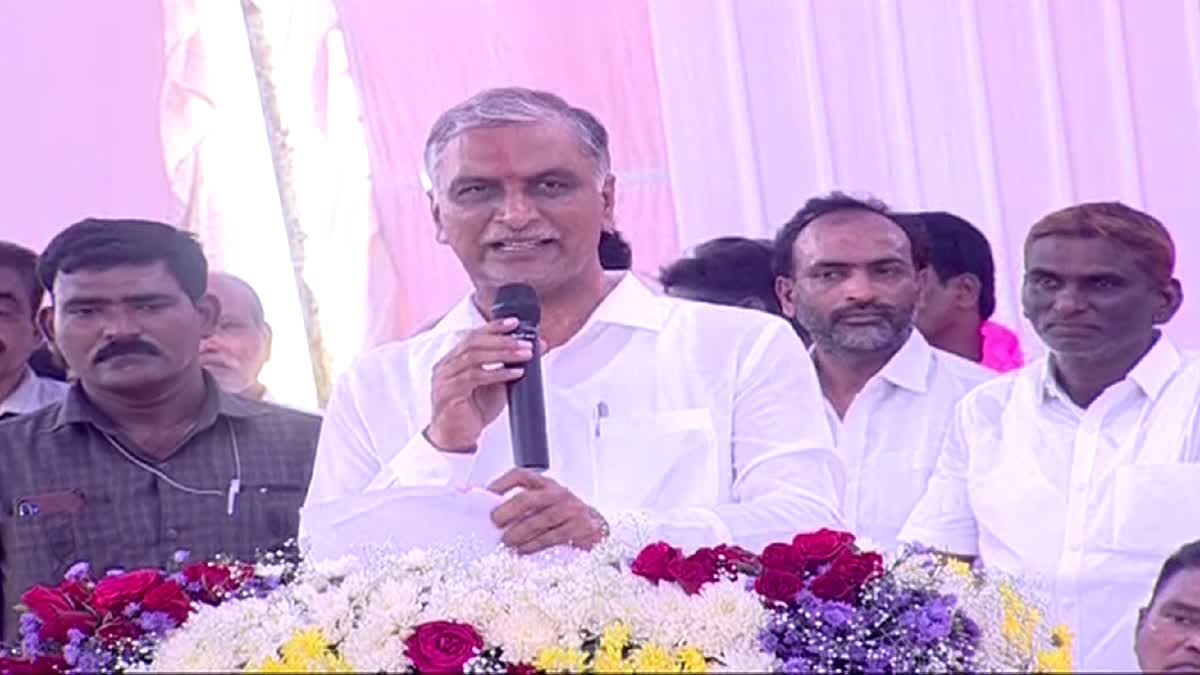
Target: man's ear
[(1170, 297), (608, 193), (209, 308), (45, 323), (270, 339), (435, 211), (967, 289), (785, 290)]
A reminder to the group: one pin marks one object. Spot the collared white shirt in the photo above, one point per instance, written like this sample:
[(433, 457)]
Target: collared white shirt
[(32, 393), (890, 435), (1090, 502), (677, 420)]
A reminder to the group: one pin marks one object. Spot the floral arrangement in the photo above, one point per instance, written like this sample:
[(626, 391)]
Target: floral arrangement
[(815, 604)]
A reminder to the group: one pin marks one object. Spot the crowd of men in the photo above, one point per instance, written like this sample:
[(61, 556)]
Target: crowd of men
[(845, 374)]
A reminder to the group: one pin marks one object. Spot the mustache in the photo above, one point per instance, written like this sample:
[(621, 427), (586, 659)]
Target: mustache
[(878, 309), (115, 349)]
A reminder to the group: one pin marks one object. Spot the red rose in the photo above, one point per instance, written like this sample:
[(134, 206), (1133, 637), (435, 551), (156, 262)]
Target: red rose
[(653, 561), (521, 669), (818, 548), (45, 603), (736, 558), (114, 592), (38, 666), (442, 646), (169, 599), (782, 557), (778, 586), (56, 628), (858, 568), (833, 586), (117, 630), (76, 591), (691, 574), (707, 558)]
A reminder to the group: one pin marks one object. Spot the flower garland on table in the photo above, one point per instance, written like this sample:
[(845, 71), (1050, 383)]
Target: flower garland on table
[(815, 604)]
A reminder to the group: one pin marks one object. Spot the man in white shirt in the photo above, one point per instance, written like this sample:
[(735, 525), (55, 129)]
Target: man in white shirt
[(21, 391), (667, 419), (851, 275), (1082, 467)]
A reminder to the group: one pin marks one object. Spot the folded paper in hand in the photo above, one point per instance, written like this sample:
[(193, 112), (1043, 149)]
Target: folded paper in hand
[(402, 518)]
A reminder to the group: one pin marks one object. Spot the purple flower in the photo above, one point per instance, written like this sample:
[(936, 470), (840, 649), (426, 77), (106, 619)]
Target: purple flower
[(156, 622), (71, 653), (181, 556), (78, 572), (132, 609), (31, 644), (114, 572), (93, 661), (29, 624), (836, 614)]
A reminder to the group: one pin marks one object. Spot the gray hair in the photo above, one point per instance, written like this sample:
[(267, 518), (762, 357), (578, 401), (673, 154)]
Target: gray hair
[(515, 105)]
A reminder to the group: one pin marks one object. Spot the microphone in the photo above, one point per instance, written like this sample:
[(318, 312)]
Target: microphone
[(526, 403)]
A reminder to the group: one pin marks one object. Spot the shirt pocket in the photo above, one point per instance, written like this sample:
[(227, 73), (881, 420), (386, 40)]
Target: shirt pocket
[(272, 511), (1156, 508), (41, 547), (665, 459)]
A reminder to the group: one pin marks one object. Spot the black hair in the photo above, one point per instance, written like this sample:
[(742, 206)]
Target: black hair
[(1186, 558), (785, 239), (24, 263), (99, 244), (957, 247), (615, 252), (730, 268)]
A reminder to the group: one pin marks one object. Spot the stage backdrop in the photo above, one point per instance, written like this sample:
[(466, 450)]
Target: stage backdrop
[(725, 115)]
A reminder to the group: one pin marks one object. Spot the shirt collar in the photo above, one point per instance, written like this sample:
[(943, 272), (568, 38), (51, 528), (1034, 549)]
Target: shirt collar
[(631, 303), (23, 399), (909, 367), (76, 408), (1151, 374)]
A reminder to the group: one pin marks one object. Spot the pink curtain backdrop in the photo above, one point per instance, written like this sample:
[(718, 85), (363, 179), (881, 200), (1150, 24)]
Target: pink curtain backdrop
[(725, 115), (79, 122), (412, 60)]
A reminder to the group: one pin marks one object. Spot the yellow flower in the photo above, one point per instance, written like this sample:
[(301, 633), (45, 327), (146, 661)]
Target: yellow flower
[(691, 660), (652, 658), (615, 638), (306, 652), (1059, 659), (1062, 637), (958, 568), (559, 660)]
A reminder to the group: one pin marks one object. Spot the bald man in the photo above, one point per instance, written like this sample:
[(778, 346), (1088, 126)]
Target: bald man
[(241, 345)]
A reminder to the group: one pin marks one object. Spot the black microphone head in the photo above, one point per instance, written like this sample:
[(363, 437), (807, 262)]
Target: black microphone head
[(517, 300)]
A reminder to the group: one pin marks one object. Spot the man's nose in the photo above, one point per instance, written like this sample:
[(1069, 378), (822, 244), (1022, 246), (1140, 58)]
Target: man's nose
[(121, 324), (858, 287), (517, 210), (1069, 301)]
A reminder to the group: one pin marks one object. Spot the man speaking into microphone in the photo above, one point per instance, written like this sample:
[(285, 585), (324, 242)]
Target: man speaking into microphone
[(665, 419)]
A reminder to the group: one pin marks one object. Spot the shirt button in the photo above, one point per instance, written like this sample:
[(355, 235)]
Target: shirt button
[(172, 533)]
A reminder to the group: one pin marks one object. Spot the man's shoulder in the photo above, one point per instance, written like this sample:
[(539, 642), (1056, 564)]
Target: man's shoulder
[(19, 432), (965, 372), (295, 426), (989, 398)]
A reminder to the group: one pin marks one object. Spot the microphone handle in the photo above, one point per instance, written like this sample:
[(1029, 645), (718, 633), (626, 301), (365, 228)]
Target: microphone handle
[(527, 410)]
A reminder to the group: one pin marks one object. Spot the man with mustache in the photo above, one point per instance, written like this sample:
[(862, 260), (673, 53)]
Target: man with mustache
[(851, 275), (21, 390), (667, 419), (1168, 628), (146, 455), (240, 345), (1083, 467)]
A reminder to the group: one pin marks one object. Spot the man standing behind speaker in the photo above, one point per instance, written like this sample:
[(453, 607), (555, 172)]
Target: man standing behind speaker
[(666, 419)]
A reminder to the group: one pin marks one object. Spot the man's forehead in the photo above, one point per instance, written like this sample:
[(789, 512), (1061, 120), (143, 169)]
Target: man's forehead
[(523, 148), (119, 280), (853, 235), (1080, 256), (1183, 588)]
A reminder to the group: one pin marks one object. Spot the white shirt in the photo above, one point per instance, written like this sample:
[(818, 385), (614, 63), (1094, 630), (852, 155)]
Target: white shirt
[(891, 432), (1089, 501), (32, 393), (676, 420)]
